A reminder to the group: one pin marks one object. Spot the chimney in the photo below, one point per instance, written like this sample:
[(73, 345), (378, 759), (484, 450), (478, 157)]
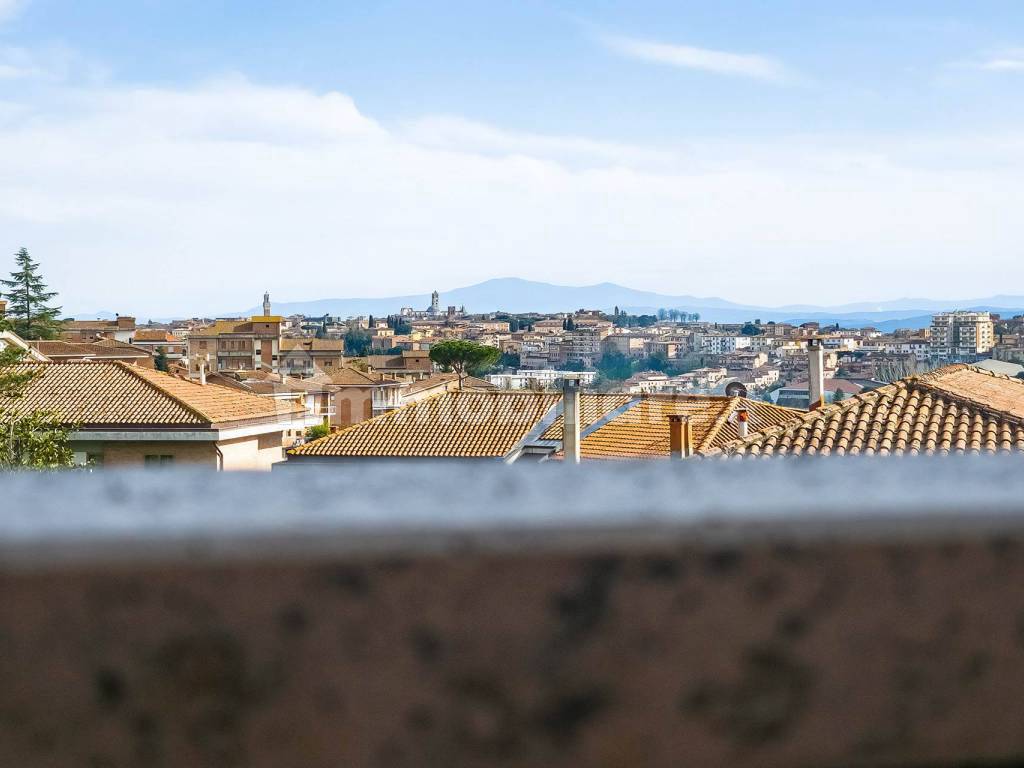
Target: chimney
[(571, 420), (743, 422), (815, 374), (680, 437)]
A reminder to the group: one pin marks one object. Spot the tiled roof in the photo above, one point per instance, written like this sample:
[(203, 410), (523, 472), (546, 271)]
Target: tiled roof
[(956, 409), (642, 431), (124, 349), (102, 349), (219, 327), (313, 345), (453, 424), (353, 377), (113, 394), (592, 408), (150, 334), (476, 423), (442, 379)]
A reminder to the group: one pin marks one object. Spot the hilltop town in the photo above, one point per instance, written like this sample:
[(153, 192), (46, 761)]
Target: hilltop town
[(259, 391)]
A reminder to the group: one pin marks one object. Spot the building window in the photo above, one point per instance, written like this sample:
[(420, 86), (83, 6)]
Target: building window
[(158, 460)]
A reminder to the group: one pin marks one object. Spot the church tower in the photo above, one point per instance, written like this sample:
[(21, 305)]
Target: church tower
[(435, 303), (266, 304)]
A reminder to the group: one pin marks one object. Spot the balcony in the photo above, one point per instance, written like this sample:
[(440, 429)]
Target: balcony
[(817, 613)]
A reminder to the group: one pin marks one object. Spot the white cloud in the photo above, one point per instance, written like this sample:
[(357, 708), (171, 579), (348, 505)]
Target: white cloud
[(8, 8), (458, 134), (1011, 60), (689, 57), (197, 199), (51, 63)]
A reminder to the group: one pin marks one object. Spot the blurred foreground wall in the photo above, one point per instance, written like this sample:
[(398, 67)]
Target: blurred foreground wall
[(824, 613)]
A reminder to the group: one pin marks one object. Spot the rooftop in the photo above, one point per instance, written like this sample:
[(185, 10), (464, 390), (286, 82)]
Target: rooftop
[(956, 409), (478, 424), (120, 394)]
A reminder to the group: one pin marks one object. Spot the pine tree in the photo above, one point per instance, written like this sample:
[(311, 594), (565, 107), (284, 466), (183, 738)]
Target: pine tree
[(30, 314)]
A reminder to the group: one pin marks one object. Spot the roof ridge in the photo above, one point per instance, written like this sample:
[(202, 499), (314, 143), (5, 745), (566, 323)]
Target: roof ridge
[(137, 373), (720, 421), (985, 408), (801, 418)]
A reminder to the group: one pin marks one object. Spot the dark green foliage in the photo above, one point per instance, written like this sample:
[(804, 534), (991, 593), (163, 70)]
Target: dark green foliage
[(399, 325), (615, 366), (160, 362), (357, 342), (464, 357), (28, 308), (510, 360)]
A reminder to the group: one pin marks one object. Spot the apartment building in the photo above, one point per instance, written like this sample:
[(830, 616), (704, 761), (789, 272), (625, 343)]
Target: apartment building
[(626, 344), (960, 336), (538, 379), (721, 344), (305, 357), (236, 345), (121, 328), (156, 339)]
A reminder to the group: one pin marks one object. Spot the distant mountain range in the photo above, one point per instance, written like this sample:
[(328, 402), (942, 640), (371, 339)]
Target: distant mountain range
[(511, 294)]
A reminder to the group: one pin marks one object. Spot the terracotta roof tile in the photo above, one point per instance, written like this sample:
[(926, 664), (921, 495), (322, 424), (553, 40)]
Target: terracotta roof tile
[(956, 409), (642, 431), (122, 394), (452, 424)]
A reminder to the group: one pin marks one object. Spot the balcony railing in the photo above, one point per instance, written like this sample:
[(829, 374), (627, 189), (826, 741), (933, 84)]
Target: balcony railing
[(830, 612)]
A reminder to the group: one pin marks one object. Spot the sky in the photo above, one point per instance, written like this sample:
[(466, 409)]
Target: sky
[(175, 157)]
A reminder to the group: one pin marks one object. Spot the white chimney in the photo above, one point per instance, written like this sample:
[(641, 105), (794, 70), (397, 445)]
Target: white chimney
[(680, 437), (743, 422), (571, 420), (815, 374)]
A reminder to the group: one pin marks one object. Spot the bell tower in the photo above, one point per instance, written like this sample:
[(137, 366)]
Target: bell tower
[(266, 303)]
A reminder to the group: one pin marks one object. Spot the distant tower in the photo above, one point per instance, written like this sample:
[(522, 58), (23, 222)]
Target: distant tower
[(266, 304), (435, 303)]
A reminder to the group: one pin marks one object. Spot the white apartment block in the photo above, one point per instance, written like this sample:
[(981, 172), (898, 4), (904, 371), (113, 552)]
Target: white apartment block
[(538, 379), (721, 344), (961, 335)]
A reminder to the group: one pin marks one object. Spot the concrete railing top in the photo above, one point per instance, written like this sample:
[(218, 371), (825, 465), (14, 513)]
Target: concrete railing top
[(414, 507), (778, 614)]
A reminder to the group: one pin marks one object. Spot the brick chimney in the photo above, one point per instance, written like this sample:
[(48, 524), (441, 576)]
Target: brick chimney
[(680, 437), (571, 420), (743, 422), (815, 374)]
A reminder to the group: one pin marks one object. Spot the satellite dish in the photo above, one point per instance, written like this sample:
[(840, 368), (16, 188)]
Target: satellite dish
[(735, 389)]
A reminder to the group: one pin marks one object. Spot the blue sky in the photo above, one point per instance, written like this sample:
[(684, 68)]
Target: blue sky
[(734, 149)]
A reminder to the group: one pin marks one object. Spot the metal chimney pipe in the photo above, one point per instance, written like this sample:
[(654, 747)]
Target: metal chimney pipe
[(815, 374), (680, 437), (571, 420), (743, 422)]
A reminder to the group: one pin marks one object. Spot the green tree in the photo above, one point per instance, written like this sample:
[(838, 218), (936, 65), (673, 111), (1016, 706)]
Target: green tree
[(510, 360), (317, 431), (464, 356), (28, 301), (838, 396), (357, 341), (33, 440), (614, 366), (160, 361)]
